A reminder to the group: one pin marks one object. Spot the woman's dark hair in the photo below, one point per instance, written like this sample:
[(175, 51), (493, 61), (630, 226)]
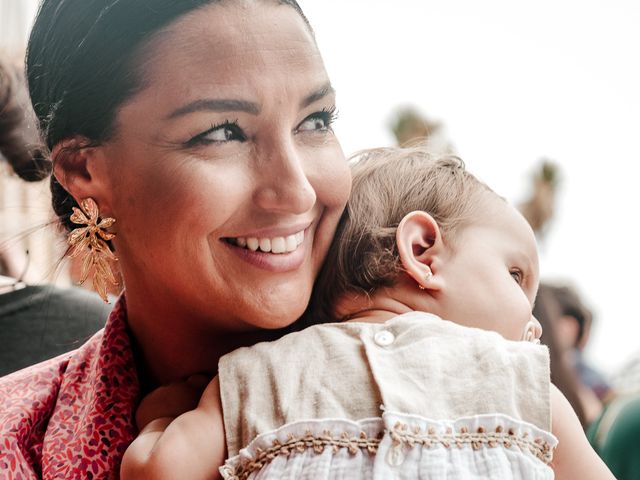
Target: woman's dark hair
[(17, 129), (83, 63)]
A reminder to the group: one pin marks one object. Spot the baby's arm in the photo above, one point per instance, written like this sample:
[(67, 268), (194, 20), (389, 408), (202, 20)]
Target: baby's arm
[(190, 446), (573, 458)]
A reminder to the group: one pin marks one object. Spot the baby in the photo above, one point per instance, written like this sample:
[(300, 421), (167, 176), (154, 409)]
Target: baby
[(429, 284)]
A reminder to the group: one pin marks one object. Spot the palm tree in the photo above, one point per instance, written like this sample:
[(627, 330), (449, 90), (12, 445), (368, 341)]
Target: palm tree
[(540, 207), (409, 126)]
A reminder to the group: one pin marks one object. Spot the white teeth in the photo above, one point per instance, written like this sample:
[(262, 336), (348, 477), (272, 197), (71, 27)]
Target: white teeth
[(265, 245), (291, 243), (253, 243), (286, 244), (278, 245)]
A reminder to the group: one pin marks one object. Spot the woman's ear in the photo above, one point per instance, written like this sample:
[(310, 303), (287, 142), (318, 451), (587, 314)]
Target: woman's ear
[(78, 168), (419, 241)]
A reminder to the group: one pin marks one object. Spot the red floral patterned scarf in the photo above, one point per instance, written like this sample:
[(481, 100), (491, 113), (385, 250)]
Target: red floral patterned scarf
[(72, 416)]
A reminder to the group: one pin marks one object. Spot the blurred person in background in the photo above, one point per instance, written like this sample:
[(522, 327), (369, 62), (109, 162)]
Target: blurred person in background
[(615, 436), (574, 328), (565, 319), (627, 378), (563, 376), (37, 322), (18, 135)]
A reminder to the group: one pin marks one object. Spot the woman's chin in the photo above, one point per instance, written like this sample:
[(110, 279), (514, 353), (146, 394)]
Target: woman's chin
[(280, 315)]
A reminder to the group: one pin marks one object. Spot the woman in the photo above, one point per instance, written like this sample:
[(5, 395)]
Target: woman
[(203, 129)]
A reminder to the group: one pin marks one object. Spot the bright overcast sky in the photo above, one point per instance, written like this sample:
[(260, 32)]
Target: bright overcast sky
[(514, 81)]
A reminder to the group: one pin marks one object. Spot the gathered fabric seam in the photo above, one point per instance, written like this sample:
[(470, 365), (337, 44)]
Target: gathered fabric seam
[(402, 436)]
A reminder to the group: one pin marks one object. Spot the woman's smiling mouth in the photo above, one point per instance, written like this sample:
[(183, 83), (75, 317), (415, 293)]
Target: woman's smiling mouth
[(281, 244), (274, 250)]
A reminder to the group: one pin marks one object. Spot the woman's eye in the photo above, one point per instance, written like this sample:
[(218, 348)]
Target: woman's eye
[(517, 276), (224, 132), (318, 121)]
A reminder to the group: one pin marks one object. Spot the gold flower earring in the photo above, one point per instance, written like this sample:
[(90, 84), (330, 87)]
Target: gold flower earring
[(90, 241)]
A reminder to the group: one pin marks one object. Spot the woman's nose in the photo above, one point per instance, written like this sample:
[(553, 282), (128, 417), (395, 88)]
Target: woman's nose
[(284, 185)]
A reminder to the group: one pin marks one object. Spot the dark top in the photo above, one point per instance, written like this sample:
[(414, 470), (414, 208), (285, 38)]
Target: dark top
[(43, 321), (615, 435)]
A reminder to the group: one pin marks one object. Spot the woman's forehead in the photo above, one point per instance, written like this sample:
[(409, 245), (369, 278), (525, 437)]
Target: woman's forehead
[(228, 33), (231, 51)]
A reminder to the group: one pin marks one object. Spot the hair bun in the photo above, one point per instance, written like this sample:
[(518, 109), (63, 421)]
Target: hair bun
[(37, 168), (28, 162)]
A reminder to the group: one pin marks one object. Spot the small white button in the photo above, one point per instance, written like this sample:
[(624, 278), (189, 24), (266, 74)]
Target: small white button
[(396, 456), (384, 338)]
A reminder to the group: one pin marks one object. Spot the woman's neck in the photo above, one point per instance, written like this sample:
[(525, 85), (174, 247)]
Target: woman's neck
[(169, 345)]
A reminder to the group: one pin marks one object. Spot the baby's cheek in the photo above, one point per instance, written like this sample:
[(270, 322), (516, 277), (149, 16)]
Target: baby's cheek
[(516, 322)]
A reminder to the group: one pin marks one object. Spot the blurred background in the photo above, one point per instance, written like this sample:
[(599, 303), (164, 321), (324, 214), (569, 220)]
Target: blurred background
[(540, 99), (27, 250)]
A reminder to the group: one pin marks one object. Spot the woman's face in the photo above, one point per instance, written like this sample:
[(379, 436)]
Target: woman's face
[(228, 145)]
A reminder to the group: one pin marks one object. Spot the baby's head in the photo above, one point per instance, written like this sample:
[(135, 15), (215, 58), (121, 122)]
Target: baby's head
[(426, 233)]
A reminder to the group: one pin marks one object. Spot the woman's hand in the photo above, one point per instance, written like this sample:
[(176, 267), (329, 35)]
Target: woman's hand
[(171, 400)]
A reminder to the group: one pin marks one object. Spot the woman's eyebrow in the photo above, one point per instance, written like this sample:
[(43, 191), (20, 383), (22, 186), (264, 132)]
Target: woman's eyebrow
[(318, 94), (234, 105), (216, 105)]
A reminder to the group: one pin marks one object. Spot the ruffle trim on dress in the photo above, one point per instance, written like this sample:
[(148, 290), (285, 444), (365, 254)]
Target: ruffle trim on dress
[(406, 432), (478, 431), (316, 435)]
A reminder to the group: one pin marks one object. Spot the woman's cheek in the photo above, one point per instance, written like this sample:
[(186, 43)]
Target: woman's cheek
[(337, 177)]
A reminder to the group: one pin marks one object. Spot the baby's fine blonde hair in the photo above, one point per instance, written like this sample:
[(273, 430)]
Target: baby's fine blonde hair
[(389, 183)]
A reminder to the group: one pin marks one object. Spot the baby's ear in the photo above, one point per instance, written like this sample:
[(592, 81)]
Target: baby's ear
[(419, 242)]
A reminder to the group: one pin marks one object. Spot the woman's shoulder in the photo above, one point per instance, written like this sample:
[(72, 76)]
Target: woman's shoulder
[(82, 401), (31, 387), (27, 400)]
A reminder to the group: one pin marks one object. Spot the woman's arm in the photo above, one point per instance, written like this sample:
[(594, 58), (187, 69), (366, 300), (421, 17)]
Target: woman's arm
[(573, 458), (190, 446)]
